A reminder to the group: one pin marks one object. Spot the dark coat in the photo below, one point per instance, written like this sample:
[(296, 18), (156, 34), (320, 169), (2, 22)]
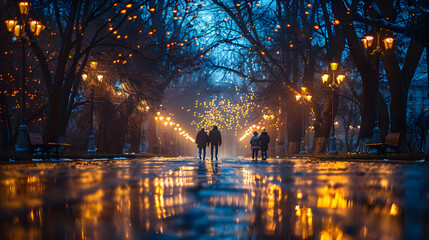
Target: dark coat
[(264, 139), (214, 137), (254, 142), (202, 139)]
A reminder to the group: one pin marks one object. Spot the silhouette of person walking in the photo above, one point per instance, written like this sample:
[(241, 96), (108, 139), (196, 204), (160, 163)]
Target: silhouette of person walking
[(264, 139), (215, 140), (202, 141), (254, 143)]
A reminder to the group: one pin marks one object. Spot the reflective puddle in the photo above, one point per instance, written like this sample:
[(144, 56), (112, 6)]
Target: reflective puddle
[(229, 199)]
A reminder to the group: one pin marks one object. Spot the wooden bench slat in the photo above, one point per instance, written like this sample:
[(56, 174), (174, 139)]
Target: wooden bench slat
[(391, 141)]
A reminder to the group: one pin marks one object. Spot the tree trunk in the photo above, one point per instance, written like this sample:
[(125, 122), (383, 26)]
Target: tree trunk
[(294, 125)]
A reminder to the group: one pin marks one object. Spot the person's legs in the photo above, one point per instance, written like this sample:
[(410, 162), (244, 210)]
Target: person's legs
[(256, 155), (253, 154), (199, 152), (211, 151), (204, 154), (217, 150)]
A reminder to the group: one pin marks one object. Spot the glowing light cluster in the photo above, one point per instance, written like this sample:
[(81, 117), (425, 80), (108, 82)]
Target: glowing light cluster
[(223, 113), (168, 122)]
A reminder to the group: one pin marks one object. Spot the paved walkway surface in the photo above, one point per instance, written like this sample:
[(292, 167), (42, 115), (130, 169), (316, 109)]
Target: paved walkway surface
[(227, 199)]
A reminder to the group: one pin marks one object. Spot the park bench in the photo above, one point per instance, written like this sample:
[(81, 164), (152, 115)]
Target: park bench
[(45, 149), (391, 141)]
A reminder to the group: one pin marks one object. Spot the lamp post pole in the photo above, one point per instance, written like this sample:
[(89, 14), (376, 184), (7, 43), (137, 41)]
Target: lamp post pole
[(22, 143), (334, 84), (333, 142), (376, 50), (376, 130), (302, 98), (91, 140), (19, 30)]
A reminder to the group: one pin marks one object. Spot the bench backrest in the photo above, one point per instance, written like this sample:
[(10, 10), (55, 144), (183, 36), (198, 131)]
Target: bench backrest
[(35, 138), (393, 139)]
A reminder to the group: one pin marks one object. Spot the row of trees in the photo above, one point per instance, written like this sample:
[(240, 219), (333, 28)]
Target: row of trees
[(143, 47), (140, 47), (283, 45)]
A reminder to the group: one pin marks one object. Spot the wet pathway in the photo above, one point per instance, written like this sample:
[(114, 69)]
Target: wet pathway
[(229, 199)]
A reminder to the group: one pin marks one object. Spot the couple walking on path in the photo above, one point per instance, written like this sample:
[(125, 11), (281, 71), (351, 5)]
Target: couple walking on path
[(203, 140), (259, 143)]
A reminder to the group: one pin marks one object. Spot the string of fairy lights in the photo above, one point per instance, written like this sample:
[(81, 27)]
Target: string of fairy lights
[(168, 121), (224, 113)]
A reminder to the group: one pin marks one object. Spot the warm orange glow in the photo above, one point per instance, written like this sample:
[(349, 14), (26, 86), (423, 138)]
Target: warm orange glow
[(325, 78), (24, 8), (334, 66), (129, 5), (340, 79), (388, 43), (369, 40), (18, 30), (10, 25), (93, 64), (39, 28)]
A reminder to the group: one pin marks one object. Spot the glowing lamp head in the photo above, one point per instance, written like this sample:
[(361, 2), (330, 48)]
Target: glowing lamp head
[(24, 8), (334, 66), (165, 123), (10, 25), (298, 97), (160, 118), (325, 78), (39, 28), (369, 40), (309, 98), (33, 25), (158, 113), (340, 79), (84, 76), (18, 30), (100, 78), (168, 118), (93, 64), (388, 43)]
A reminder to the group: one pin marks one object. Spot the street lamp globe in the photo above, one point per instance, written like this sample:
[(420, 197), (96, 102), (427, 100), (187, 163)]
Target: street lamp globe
[(18, 30), (340, 79), (24, 8), (388, 43), (10, 25), (334, 66), (100, 77), (325, 78)]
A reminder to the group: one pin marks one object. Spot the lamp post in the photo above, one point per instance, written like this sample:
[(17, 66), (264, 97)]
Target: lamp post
[(334, 85), (19, 30), (376, 50), (303, 98), (91, 140)]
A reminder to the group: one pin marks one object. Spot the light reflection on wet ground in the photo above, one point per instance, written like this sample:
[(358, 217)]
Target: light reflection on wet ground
[(192, 199)]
